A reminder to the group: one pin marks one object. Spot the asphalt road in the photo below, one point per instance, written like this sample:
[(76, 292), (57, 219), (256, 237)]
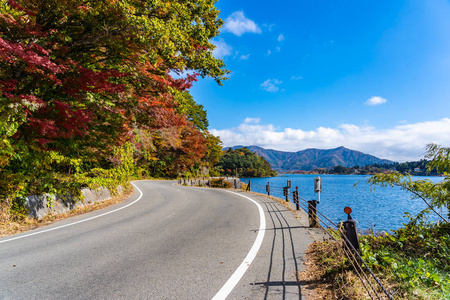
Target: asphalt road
[(170, 242)]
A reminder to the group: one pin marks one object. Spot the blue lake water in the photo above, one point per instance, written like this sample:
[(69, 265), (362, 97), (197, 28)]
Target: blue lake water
[(382, 208)]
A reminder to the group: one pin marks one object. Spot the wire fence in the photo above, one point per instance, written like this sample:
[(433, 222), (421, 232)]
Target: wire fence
[(336, 232)]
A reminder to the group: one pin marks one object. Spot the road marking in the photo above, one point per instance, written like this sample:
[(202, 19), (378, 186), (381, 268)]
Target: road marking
[(237, 275), (78, 222)]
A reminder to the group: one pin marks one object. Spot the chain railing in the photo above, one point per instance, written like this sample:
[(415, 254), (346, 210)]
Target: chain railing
[(336, 232)]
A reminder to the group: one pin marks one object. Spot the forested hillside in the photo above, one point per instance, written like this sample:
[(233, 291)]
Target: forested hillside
[(244, 163), (97, 92)]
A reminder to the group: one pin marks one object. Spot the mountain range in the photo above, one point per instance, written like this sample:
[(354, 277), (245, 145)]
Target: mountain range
[(311, 159)]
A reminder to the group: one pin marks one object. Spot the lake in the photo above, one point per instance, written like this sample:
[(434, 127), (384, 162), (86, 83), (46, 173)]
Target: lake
[(382, 208)]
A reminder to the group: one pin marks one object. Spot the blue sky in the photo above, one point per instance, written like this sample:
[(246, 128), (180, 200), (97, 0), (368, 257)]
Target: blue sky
[(372, 76)]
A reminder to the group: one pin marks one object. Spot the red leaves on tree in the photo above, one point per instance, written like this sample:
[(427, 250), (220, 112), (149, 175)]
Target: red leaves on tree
[(86, 80), (63, 67), (11, 52), (192, 150), (17, 6), (58, 121)]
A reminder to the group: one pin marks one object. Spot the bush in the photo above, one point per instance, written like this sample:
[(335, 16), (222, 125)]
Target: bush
[(415, 256), (217, 183)]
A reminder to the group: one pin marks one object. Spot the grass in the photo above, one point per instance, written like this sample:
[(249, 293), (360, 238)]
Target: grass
[(412, 263), (10, 226), (329, 273), (416, 257)]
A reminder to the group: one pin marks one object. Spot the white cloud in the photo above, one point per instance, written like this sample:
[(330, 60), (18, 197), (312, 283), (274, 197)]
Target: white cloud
[(238, 24), (400, 143), (244, 57), (296, 77), (271, 85), (280, 38), (251, 120), (375, 100), (222, 49), (269, 52)]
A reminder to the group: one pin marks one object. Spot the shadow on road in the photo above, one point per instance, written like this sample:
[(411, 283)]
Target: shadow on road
[(279, 278)]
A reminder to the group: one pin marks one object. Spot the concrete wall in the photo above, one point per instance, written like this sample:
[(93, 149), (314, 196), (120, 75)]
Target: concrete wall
[(41, 205)]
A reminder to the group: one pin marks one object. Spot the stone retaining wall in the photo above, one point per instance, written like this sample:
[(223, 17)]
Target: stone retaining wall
[(41, 205)]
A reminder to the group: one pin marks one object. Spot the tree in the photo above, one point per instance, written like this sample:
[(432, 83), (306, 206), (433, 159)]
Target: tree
[(434, 195), (213, 153), (340, 170), (79, 80), (78, 77), (244, 161)]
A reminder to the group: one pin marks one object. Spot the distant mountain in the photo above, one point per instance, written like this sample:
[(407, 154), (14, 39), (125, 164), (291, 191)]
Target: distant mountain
[(310, 159)]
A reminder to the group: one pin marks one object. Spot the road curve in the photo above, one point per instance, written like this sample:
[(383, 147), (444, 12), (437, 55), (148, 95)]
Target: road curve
[(173, 243)]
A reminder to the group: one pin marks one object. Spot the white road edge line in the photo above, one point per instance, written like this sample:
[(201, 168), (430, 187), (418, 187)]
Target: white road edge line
[(237, 275), (78, 222)]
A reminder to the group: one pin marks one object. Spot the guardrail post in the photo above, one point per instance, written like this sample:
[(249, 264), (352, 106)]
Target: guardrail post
[(312, 214), (222, 182), (249, 186), (235, 183), (295, 197), (268, 188), (288, 186), (348, 228)]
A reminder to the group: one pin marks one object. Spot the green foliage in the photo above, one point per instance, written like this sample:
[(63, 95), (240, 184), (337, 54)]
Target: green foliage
[(245, 163), (340, 170), (415, 256), (435, 195), (214, 151), (219, 182), (440, 158), (195, 112), (87, 96)]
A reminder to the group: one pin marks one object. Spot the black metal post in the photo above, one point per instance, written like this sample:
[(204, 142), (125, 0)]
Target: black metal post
[(288, 186), (235, 183), (249, 185), (351, 233), (268, 188), (312, 214), (295, 198)]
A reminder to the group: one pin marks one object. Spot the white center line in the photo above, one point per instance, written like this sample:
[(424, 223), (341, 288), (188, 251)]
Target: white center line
[(237, 275)]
